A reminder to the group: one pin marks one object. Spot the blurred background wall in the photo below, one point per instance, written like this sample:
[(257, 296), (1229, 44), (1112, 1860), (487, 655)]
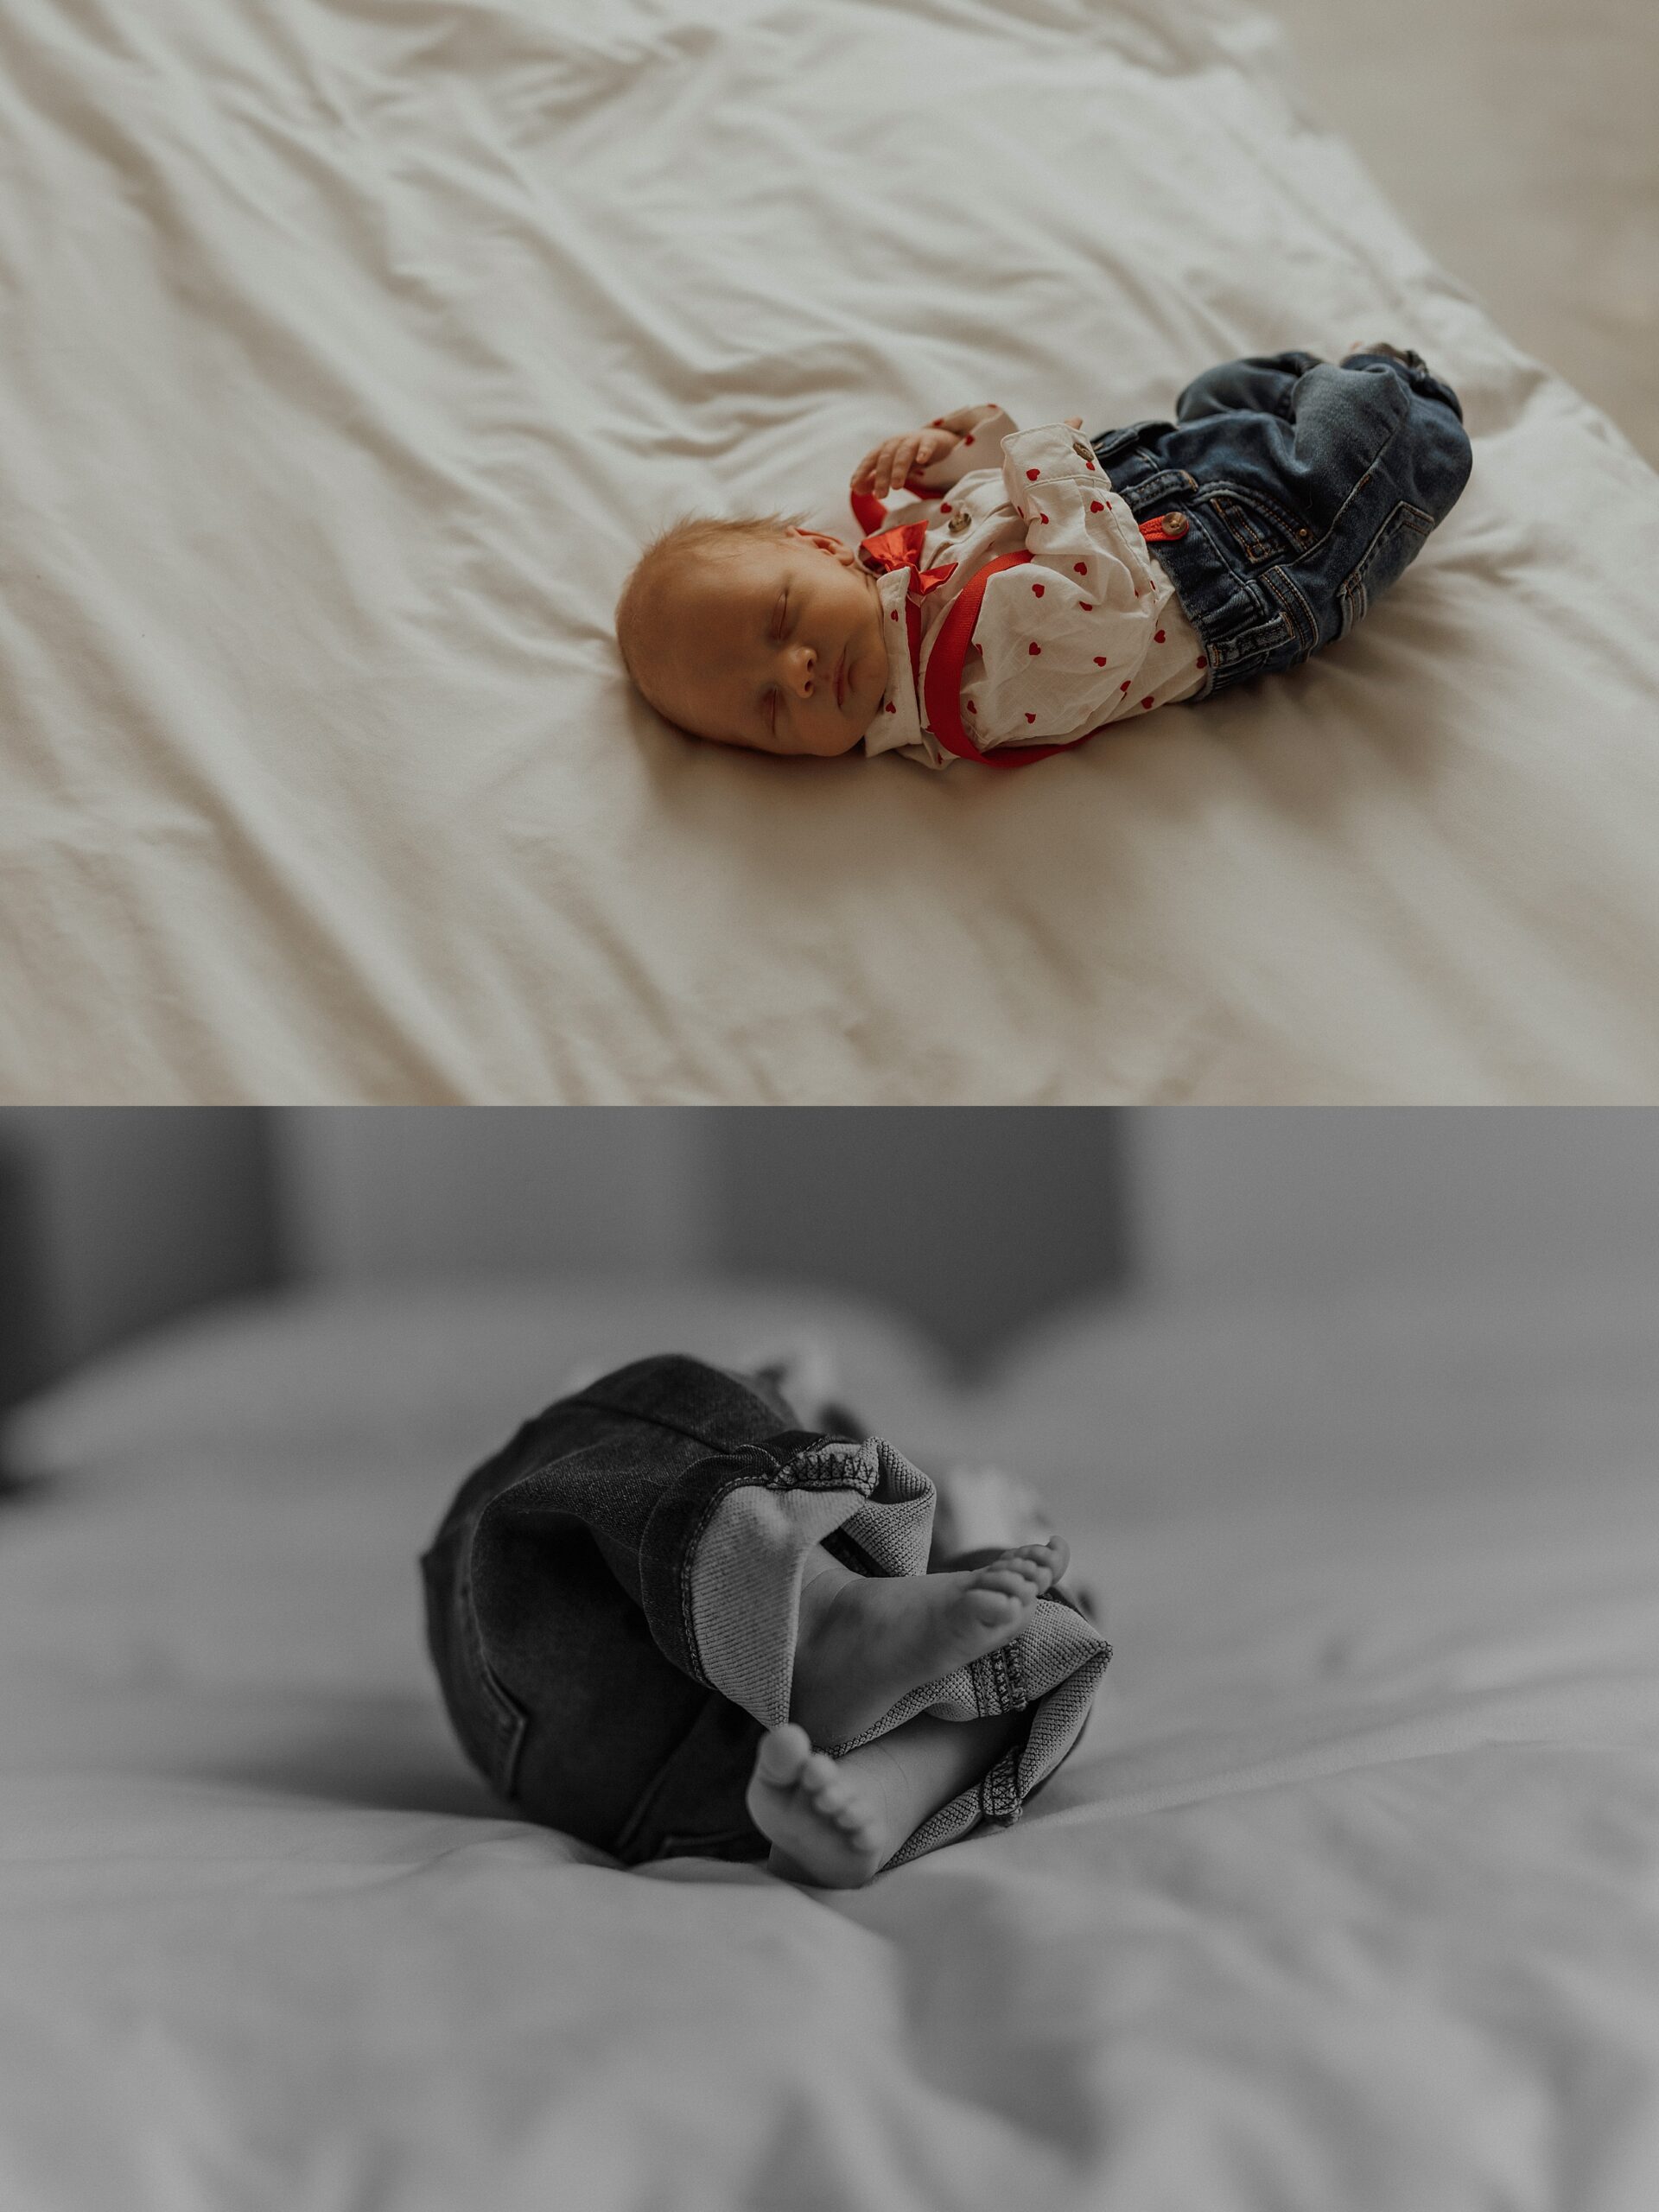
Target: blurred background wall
[(975, 1223), (970, 1220), (1516, 139), (1233, 1201), (111, 1219), (972, 1223)]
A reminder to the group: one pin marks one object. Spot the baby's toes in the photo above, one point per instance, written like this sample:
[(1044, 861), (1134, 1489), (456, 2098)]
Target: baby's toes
[(1001, 1581), (829, 1797), (1050, 1559), (994, 1604), (1021, 1577), (1032, 1562), (783, 1753), (817, 1775)]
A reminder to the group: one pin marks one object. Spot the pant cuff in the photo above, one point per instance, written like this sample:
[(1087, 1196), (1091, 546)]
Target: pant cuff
[(744, 1577), (742, 1593)]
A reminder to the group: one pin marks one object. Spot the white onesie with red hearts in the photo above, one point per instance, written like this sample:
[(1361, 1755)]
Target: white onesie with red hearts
[(1088, 631)]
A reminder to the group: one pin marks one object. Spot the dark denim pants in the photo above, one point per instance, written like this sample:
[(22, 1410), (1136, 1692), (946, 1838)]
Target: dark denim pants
[(1307, 488), (611, 1600)]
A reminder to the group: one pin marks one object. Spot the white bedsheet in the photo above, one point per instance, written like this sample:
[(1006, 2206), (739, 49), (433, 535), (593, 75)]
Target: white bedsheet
[(353, 349), (1349, 1898)]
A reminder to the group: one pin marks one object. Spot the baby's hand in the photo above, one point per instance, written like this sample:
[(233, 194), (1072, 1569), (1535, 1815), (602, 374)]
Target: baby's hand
[(895, 460)]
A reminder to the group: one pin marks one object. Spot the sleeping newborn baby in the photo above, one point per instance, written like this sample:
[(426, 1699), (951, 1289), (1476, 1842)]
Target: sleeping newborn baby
[(1041, 585), (676, 1614)]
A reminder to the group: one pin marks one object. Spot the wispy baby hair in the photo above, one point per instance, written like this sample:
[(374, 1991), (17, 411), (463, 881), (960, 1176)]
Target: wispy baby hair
[(692, 539)]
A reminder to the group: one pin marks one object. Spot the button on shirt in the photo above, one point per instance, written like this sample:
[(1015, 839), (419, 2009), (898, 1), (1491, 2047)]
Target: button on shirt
[(1089, 631)]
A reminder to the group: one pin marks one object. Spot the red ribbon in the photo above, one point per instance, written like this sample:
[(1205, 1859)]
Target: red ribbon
[(900, 547), (945, 677)]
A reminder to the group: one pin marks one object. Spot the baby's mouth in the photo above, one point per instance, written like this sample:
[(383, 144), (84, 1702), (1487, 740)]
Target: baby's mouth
[(841, 679)]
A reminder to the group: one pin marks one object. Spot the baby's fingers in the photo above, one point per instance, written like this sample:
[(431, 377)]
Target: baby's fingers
[(876, 472), (898, 455), (873, 474), (896, 460)]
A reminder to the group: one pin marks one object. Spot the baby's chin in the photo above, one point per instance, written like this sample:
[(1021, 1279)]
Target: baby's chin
[(831, 748), (848, 744)]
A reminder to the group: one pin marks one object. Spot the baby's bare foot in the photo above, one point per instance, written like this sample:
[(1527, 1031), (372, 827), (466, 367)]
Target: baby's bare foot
[(825, 1827), (863, 1640)]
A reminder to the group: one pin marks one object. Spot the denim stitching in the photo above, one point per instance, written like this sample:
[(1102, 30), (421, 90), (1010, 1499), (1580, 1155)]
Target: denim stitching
[(1286, 590), (689, 1552), (1248, 495), (1246, 650), (999, 1792), (769, 1464), (1235, 516), (1362, 481), (1018, 1696), (1408, 516), (1006, 1686), (1165, 480), (1354, 592), (1361, 484)]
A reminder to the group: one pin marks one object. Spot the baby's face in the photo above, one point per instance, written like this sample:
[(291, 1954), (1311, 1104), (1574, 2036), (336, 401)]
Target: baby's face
[(776, 644)]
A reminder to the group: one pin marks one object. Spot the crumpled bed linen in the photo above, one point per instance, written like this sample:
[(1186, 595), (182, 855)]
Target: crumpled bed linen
[(354, 350), (1346, 1898)]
